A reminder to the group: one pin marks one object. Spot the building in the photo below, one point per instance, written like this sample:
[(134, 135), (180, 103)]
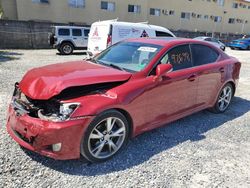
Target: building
[(223, 16)]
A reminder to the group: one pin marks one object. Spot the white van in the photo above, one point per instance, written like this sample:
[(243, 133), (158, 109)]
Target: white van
[(105, 33)]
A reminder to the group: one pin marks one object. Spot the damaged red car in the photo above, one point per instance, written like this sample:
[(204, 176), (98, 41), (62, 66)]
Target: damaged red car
[(92, 107)]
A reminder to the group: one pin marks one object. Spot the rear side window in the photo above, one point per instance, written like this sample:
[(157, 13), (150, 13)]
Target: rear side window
[(162, 34), (179, 57), (77, 32), (64, 32), (203, 54)]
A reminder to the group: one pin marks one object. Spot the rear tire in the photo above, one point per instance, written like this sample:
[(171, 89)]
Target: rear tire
[(224, 99), (106, 135), (66, 48)]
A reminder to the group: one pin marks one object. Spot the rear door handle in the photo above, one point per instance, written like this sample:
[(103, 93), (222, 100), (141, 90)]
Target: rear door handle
[(192, 78), (222, 69)]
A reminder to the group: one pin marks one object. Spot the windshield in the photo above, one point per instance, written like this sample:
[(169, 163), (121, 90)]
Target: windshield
[(129, 56)]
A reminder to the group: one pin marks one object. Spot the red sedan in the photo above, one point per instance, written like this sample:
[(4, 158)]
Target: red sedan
[(92, 107)]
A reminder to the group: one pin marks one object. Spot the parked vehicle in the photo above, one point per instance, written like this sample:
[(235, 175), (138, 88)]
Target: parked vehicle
[(92, 107), (106, 33), (242, 44), (66, 39), (213, 41)]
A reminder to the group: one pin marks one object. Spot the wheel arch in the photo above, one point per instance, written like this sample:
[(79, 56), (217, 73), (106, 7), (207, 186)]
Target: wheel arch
[(233, 85), (127, 116), (67, 41)]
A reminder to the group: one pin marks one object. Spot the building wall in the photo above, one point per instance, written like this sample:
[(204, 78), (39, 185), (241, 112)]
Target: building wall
[(60, 11), (9, 8)]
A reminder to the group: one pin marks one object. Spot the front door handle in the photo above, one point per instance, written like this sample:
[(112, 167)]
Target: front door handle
[(192, 78)]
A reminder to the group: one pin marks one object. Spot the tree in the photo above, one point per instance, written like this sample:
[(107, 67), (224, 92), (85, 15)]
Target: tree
[(1, 10)]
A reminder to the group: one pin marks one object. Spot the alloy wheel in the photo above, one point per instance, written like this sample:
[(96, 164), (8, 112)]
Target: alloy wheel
[(106, 138), (225, 98)]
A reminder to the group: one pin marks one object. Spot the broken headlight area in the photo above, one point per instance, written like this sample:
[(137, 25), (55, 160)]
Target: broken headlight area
[(49, 110), (65, 110)]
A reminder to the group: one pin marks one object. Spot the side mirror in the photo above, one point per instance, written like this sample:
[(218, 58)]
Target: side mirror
[(163, 69)]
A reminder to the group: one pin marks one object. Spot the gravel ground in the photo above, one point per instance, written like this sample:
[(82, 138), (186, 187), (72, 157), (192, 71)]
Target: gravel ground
[(201, 150)]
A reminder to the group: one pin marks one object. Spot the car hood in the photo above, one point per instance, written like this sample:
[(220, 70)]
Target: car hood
[(45, 82)]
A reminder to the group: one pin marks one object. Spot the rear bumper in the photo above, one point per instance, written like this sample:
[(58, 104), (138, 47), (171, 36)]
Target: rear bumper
[(39, 136)]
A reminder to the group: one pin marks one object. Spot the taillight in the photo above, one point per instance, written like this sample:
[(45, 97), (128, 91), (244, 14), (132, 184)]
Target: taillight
[(109, 41)]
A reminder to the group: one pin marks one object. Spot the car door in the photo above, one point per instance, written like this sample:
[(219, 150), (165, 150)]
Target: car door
[(175, 94), (78, 37), (210, 73)]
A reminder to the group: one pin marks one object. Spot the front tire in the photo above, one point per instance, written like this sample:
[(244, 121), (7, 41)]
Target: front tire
[(106, 135), (224, 99)]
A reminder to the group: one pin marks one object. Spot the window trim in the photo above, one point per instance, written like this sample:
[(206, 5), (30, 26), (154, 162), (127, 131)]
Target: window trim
[(215, 50), (189, 44)]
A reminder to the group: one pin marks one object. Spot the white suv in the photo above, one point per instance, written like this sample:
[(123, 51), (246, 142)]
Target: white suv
[(69, 38)]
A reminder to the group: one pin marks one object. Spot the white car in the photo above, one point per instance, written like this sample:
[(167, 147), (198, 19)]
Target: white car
[(69, 38), (213, 41), (106, 33)]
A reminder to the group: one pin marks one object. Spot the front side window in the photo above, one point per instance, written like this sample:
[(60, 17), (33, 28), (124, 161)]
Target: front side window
[(130, 56), (203, 55), (63, 32), (86, 32), (179, 57), (76, 32), (77, 3)]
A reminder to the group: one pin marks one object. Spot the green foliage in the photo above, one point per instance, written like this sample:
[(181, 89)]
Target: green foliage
[(1, 11)]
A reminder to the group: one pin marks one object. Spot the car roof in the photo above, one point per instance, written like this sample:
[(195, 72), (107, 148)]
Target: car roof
[(166, 41), (202, 37), (132, 24)]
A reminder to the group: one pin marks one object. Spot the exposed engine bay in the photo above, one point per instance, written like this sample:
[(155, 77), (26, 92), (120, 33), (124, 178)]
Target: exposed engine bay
[(54, 109)]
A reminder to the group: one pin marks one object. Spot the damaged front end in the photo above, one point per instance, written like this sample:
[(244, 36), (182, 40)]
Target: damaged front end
[(49, 110), (55, 109)]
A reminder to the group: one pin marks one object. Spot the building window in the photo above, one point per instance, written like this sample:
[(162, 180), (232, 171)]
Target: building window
[(217, 19), (221, 2), (171, 12), (155, 11), (77, 3), (231, 21), (134, 8), (205, 17), (235, 5), (109, 6), (40, 1), (185, 15)]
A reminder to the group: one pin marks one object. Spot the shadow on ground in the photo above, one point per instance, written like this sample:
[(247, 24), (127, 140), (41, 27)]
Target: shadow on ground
[(75, 53), (9, 56), (145, 146)]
